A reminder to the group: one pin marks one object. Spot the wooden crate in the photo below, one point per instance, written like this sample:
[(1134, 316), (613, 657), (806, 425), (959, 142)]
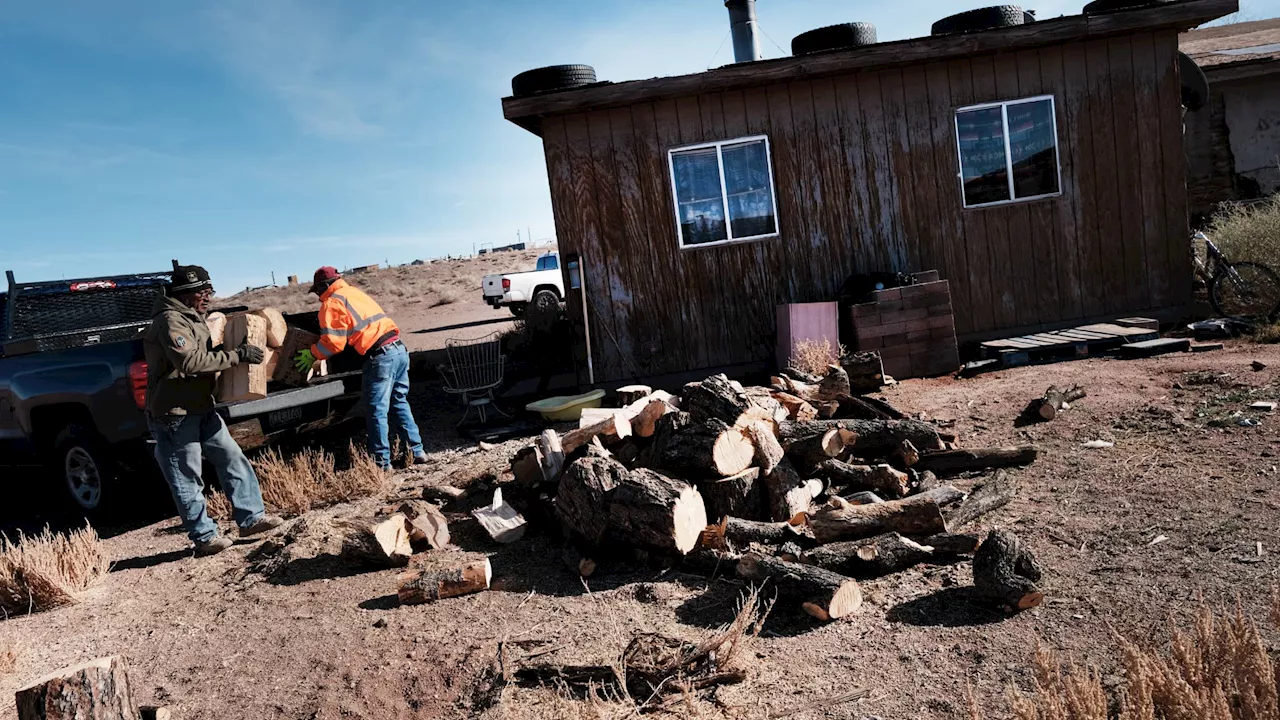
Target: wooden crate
[(244, 381)]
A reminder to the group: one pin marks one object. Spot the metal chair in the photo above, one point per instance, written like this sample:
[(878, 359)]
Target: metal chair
[(474, 372)]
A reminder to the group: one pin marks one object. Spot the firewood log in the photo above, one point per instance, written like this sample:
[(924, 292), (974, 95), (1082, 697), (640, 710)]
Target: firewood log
[(834, 385), (808, 451), (737, 496), (769, 451), (98, 689), (943, 461), (871, 437), (943, 495), (1005, 570), (582, 503), (708, 449), (865, 371), (787, 494), (713, 399), (870, 557), (1054, 401), (427, 525), (155, 712), (656, 511), (881, 479), (995, 493), (645, 421), (952, 543), (277, 328), (632, 393), (823, 594), (741, 532), (797, 409), (465, 578), (385, 543), (552, 453), (617, 426), (840, 520)]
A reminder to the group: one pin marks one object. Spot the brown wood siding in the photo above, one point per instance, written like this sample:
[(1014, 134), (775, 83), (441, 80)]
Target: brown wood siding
[(866, 179)]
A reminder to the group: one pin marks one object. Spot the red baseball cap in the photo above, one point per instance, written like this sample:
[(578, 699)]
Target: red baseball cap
[(324, 275)]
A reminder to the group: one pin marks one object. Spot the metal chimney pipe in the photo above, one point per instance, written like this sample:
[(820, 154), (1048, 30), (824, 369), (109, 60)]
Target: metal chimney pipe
[(745, 28)]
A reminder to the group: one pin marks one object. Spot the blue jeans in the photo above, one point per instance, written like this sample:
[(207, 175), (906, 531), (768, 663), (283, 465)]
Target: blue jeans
[(386, 392), (179, 441)]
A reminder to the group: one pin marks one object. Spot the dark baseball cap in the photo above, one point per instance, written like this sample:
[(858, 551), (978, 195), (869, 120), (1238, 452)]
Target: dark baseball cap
[(324, 276)]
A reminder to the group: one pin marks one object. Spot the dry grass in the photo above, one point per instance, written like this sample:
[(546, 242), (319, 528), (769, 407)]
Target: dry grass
[(49, 570), (310, 479), (1249, 232), (8, 660), (813, 356), (1219, 669)]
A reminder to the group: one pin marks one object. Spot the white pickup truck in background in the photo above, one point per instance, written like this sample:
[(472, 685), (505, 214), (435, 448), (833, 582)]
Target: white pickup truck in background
[(543, 287)]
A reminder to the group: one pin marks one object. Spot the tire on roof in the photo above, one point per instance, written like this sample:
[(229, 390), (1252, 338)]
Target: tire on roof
[(987, 18), (1195, 86), (554, 77), (1098, 7), (834, 37)]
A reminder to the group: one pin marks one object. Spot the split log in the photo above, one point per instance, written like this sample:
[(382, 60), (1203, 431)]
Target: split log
[(906, 454), (834, 385), (994, 493), (500, 520), (707, 449), (871, 557), (737, 496), (823, 594), (741, 532), (880, 479), (713, 399), (385, 543), (526, 466), (769, 451), (632, 393), (296, 339), (645, 421), (870, 437), (943, 461), (427, 525), (1055, 400), (244, 381), (98, 689), (797, 409), (828, 410), (615, 427), (810, 451), (1005, 570), (552, 453), (656, 511), (423, 586), (277, 328), (582, 502), (217, 323), (841, 520), (787, 494)]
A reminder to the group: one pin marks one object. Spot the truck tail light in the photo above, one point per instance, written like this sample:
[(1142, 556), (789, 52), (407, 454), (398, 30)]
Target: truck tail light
[(506, 283), (138, 383)]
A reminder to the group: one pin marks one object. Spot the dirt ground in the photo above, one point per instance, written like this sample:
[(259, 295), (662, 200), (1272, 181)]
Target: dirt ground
[(213, 640)]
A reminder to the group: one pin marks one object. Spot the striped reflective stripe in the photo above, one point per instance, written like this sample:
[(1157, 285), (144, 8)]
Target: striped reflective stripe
[(323, 352), (355, 316), (338, 332), (366, 323)]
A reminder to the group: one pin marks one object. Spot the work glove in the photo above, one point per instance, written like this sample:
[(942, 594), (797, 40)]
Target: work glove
[(251, 354), (304, 360)]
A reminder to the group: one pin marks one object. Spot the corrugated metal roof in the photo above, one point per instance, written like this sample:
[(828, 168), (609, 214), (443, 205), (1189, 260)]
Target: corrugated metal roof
[(1240, 43)]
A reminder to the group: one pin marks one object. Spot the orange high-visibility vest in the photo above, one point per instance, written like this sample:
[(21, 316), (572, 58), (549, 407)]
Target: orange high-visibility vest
[(348, 316)]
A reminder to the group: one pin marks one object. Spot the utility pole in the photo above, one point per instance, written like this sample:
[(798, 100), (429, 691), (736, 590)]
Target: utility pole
[(273, 278)]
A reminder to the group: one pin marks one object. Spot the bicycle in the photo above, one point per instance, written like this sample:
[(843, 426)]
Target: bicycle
[(1242, 289)]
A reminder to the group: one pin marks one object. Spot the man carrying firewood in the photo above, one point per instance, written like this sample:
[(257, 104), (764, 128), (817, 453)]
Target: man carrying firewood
[(350, 317), (182, 367)]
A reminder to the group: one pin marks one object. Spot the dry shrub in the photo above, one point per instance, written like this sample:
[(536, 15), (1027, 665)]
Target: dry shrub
[(1248, 232), (49, 570), (813, 356), (311, 479), (441, 296), (1219, 669)]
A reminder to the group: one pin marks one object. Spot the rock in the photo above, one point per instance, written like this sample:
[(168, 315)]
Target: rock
[(380, 623)]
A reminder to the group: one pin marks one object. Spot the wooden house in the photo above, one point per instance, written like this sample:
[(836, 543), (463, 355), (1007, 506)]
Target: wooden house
[(1038, 168)]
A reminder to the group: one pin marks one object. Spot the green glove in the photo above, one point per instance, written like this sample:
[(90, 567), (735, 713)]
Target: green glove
[(304, 360)]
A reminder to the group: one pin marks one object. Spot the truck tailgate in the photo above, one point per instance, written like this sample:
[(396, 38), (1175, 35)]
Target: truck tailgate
[(493, 285), (282, 400)]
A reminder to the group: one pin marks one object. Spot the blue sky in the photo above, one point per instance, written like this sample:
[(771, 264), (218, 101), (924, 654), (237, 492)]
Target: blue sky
[(253, 136)]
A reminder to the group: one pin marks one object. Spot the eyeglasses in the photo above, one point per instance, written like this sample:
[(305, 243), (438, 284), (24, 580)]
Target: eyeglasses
[(204, 294)]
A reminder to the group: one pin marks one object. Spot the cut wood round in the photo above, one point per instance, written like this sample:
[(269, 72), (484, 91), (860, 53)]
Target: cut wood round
[(822, 594), (1054, 401), (871, 438), (653, 510), (427, 525), (995, 493), (277, 328), (769, 451), (582, 502), (631, 393), (840, 520), (705, 450), (871, 557), (741, 532), (385, 543), (944, 461), (787, 494), (422, 586), (810, 451), (737, 496), (880, 479), (714, 398), (98, 689), (1005, 570)]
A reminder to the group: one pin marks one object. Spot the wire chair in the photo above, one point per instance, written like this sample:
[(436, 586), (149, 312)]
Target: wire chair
[(474, 372)]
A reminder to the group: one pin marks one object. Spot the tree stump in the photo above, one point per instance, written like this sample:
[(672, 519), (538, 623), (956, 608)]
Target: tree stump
[(823, 594), (1005, 571), (96, 690)]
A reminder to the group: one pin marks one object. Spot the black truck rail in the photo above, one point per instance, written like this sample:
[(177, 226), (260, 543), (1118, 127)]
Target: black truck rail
[(44, 316)]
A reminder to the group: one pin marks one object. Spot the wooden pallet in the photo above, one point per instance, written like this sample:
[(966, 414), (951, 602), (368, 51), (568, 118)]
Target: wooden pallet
[(1073, 342)]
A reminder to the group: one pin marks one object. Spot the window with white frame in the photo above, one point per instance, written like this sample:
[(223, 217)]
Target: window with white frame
[(724, 191), (1008, 151)]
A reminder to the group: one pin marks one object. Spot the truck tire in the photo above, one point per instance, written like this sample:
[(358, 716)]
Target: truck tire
[(987, 18), (549, 79), (545, 300), (1099, 7), (82, 465), (834, 37), (517, 309)]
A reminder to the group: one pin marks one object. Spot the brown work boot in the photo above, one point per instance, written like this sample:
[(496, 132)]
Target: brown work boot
[(421, 460), (212, 546), (267, 523)]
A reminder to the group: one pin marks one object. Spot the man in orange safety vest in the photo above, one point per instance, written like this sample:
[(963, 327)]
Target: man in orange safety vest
[(348, 317)]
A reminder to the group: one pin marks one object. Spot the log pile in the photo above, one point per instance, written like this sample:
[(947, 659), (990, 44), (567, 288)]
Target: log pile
[(802, 486)]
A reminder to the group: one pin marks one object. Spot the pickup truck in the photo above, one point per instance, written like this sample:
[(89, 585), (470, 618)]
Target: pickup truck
[(73, 388), (542, 286)]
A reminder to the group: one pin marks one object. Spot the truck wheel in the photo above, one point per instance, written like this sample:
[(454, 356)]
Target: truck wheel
[(545, 300), (81, 464), (517, 309)]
